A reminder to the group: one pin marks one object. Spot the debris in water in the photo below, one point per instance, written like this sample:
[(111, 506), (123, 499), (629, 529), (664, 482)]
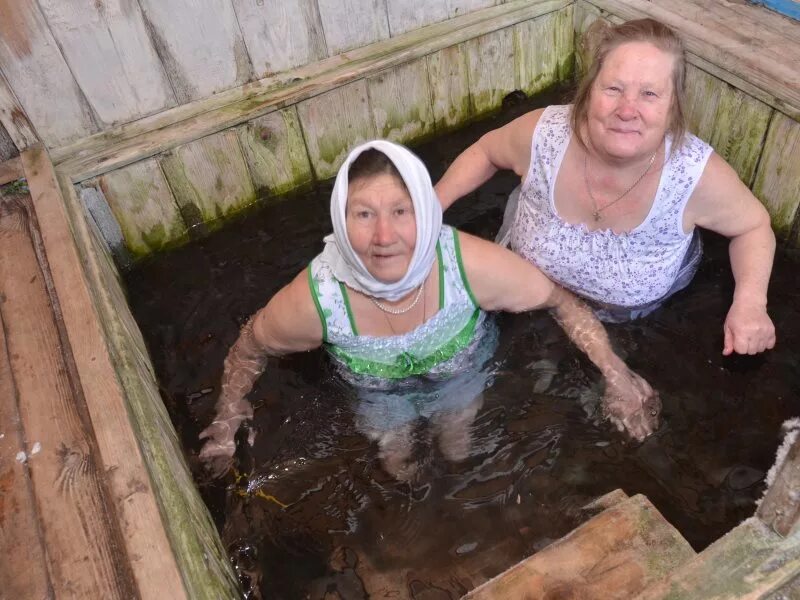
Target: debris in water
[(37, 447), (22, 457)]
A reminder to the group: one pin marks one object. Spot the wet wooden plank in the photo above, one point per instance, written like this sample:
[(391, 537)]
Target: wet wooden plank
[(144, 207), (400, 99), (37, 74), (447, 71), (779, 508), (144, 540), (730, 49), (78, 525), (748, 562), (731, 121), (11, 170), (777, 181), (174, 127), (490, 64), (190, 556), (111, 56), (199, 43), (544, 51), (407, 15), (613, 555), (24, 572), (280, 34), (333, 123), (352, 24), (276, 153), (209, 179)]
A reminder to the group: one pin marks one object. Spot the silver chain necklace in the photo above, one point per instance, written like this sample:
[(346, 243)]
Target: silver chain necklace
[(596, 213), (400, 311)]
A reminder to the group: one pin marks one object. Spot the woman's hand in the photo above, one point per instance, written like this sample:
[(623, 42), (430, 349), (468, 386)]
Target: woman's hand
[(630, 404), (748, 329), (217, 453)]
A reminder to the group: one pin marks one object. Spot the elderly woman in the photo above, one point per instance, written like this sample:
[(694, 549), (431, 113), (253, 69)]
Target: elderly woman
[(613, 189), (395, 295)]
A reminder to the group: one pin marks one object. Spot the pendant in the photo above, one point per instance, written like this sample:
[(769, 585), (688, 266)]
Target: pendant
[(597, 216)]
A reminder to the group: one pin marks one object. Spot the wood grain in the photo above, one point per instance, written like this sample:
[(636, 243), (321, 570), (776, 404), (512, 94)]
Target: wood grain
[(351, 24), (447, 71), (490, 63), (400, 99)]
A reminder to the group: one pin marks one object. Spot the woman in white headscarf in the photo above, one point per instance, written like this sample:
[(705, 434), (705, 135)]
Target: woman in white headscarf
[(396, 295)]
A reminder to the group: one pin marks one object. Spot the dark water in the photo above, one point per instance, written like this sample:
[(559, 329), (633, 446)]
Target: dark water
[(318, 512)]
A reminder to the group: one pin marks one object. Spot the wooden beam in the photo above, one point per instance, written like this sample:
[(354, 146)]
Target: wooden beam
[(616, 554), (735, 51), (11, 170), (14, 119), (78, 523), (780, 509), (143, 537), (24, 572), (152, 135)]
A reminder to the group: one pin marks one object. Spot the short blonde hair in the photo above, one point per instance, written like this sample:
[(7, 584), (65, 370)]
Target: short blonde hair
[(601, 38)]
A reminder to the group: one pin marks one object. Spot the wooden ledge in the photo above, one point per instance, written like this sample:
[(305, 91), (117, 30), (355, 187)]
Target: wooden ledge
[(11, 170), (146, 137), (750, 47)]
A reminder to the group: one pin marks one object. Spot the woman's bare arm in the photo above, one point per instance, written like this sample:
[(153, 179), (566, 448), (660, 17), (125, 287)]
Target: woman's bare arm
[(288, 323)]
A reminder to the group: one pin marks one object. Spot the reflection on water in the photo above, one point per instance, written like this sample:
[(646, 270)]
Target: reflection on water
[(344, 495)]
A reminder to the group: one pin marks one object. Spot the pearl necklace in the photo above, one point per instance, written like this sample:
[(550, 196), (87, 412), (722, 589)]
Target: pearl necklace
[(400, 311)]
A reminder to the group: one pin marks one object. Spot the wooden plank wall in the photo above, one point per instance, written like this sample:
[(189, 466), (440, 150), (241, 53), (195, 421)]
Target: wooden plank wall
[(757, 133), (188, 189), (115, 61)]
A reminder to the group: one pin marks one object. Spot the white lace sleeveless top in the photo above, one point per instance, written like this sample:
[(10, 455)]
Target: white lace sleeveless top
[(440, 346), (627, 269)]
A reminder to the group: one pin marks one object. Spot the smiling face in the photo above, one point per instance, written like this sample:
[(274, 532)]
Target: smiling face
[(630, 102), (381, 225)]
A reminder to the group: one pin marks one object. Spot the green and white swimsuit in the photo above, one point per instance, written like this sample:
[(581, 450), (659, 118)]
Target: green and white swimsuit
[(439, 347)]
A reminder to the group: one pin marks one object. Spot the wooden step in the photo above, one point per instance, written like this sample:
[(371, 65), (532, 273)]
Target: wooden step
[(749, 562), (616, 554)]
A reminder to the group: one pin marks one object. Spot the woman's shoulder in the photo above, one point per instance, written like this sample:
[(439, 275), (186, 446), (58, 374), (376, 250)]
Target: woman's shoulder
[(692, 151)]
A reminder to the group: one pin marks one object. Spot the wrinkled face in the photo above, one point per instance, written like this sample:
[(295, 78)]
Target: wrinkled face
[(629, 106), (381, 225)]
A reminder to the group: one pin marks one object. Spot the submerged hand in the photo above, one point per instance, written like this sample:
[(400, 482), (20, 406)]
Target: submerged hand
[(630, 404), (217, 453), (748, 329)]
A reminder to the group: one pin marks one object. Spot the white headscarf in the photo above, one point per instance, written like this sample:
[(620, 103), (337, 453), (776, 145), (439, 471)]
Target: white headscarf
[(339, 253)]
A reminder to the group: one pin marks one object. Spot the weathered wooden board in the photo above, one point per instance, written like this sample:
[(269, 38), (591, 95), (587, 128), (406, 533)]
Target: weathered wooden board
[(748, 562), (111, 56), (144, 207), (276, 153), (731, 121), (406, 15), (351, 24), (768, 73), (780, 509), (400, 99), (333, 123), (209, 178), (199, 43), (612, 556), (11, 170), (280, 34), (584, 14), (151, 135), (447, 71), (13, 119), (24, 572), (40, 79), (149, 551), (544, 51), (490, 64), (193, 544), (777, 181), (78, 525), (456, 8), (8, 149)]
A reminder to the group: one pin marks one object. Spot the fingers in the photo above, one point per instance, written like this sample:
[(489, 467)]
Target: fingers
[(727, 346)]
